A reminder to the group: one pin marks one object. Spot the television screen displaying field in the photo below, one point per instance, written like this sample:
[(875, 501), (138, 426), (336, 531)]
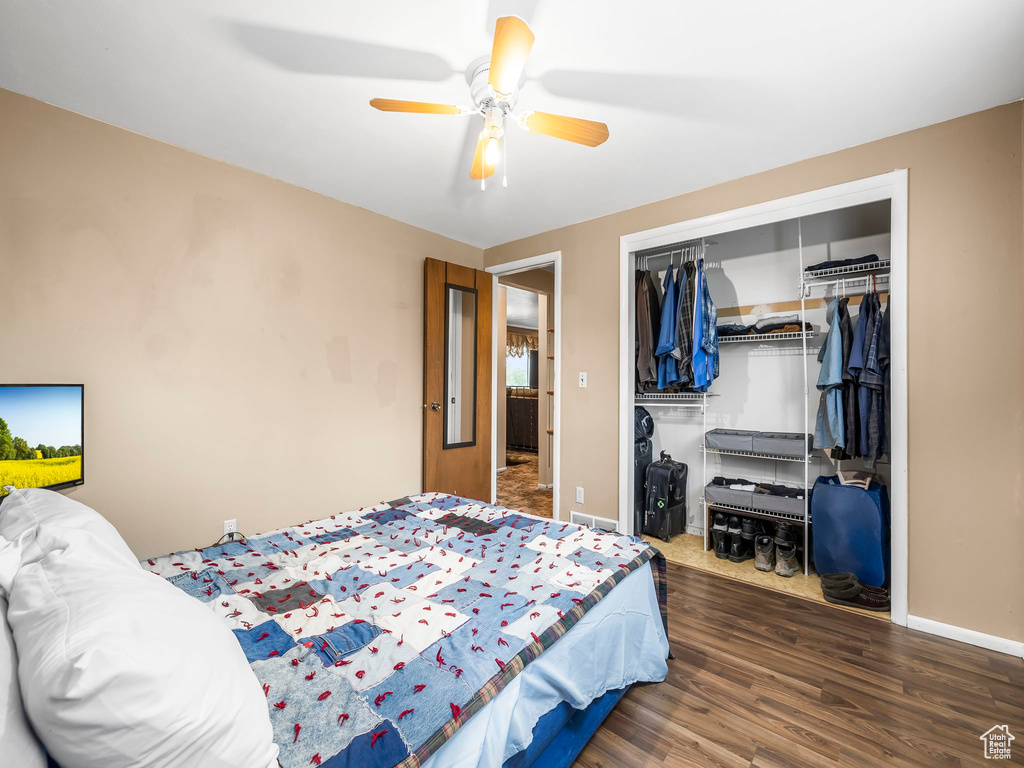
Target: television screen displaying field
[(41, 436)]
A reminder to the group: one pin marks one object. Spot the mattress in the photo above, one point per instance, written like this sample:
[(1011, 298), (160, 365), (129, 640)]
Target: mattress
[(379, 635), (619, 642)]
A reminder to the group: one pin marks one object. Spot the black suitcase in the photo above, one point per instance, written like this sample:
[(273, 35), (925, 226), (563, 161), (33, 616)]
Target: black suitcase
[(643, 455), (665, 511)]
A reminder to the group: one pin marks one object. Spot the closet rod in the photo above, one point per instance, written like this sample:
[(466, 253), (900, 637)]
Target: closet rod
[(665, 250), (692, 252)]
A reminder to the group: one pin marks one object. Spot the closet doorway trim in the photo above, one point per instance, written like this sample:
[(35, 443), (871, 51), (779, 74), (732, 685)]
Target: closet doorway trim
[(887, 186), (511, 268)]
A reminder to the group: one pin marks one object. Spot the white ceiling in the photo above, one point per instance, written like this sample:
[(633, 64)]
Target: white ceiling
[(693, 93), (521, 308)]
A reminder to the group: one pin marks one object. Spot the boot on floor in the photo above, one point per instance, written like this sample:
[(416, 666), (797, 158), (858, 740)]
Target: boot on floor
[(786, 563), (741, 549), (721, 540), (764, 553)]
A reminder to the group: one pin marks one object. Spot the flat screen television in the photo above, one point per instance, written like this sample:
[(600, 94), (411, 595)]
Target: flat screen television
[(42, 434)]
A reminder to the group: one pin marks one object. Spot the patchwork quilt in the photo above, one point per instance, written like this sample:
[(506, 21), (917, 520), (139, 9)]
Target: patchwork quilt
[(377, 633)]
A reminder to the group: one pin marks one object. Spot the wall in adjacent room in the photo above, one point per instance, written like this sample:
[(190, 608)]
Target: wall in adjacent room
[(250, 350), (966, 349)]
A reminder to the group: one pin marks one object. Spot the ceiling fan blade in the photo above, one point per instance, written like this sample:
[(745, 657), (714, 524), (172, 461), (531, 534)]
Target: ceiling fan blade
[(420, 107), (572, 129), (481, 168), (513, 40)]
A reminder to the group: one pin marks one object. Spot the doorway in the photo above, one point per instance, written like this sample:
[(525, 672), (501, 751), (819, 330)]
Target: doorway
[(526, 384)]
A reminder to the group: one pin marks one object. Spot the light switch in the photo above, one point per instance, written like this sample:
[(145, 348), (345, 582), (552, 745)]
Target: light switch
[(583, 379)]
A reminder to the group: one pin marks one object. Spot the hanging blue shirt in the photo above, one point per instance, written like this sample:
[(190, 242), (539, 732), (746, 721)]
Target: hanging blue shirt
[(668, 372), (829, 427), (709, 339), (700, 355)]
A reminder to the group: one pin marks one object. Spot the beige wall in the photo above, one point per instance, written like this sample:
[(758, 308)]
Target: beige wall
[(966, 350), (250, 350)]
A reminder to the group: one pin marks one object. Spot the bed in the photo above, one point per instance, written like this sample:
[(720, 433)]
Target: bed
[(436, 631)]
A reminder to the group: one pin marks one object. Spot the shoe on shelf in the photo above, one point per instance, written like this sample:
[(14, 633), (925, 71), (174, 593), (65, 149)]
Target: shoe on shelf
[(734, 525), (741, 550), (721, 539), (721, 522), (786, 562), (764, 553), (843, 580), (855, 596), (751, 528), (785, 536)]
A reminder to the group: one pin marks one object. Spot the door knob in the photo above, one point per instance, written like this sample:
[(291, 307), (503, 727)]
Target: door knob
[(435, 406)]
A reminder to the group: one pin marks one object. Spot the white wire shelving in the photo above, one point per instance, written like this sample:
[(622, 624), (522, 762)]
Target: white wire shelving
[(676, 399), (752, 338), (851, 269), (755, 512), (756, 455)]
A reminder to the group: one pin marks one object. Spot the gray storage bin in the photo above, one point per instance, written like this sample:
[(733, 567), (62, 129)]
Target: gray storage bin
[(721, 494), (770, 503), (783, 443), (730, 439)]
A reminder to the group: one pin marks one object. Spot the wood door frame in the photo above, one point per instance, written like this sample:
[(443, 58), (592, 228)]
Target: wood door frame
[(510, 268), (892, 186)]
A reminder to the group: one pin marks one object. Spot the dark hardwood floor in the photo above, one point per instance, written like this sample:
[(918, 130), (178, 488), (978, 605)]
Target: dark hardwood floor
[(768, 680)]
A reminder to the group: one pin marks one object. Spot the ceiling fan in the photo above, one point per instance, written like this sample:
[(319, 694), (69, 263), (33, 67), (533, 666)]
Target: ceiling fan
[(494, 86)]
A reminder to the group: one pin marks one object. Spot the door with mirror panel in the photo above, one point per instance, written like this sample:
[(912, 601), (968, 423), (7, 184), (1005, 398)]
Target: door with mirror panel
[(457, 380)]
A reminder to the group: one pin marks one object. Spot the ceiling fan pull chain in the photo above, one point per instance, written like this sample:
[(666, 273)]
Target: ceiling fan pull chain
[(504, 163)]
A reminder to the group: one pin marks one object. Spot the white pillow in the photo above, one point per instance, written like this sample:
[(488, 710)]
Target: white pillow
[(16, 737), (23, 512), (118, 668)]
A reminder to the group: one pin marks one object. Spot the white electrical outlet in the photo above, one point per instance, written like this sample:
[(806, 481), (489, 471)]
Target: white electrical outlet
[(579, 494), (583, 379), (230, 526)]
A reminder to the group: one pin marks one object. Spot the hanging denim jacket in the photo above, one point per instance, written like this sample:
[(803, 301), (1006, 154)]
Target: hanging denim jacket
[(668, 340)]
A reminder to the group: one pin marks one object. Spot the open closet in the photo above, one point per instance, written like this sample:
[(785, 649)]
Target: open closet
[(763, 351)]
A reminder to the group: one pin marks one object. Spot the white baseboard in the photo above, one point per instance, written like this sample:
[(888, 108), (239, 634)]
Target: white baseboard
[(544, 487), (501, 469), (969, 636)]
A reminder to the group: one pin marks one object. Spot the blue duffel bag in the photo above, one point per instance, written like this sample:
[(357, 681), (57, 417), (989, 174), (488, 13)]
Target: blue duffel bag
[(850, 529)]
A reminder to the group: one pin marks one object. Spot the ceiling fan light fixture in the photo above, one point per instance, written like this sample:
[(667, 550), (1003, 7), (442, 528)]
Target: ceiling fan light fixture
[(491, 149), (494, 88)]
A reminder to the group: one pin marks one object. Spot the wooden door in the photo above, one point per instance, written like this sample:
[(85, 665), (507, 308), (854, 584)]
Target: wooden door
[(457, 380)]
